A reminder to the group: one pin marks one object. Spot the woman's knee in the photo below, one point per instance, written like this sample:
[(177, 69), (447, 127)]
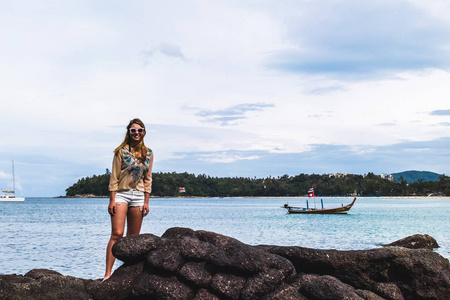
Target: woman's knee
[(116, 235)]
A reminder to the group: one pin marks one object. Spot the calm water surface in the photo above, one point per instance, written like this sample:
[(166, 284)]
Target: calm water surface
[(70, 235)]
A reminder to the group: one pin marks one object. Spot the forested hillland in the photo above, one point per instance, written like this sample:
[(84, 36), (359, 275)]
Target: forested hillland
[(190, 185), (414, 176)]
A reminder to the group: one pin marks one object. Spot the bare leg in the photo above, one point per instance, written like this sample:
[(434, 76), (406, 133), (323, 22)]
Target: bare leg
[(117, 230), (134, 220)]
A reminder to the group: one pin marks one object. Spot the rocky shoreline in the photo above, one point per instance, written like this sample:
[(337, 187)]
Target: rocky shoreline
[(187, 264), (83, 196)]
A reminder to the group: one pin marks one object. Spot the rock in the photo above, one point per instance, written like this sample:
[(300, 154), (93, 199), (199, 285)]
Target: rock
[(201, 265), (231, 254), (134, 248), (262, 283), (42, 284), (198, 273), (152, 286), (120, 285), (368, 295), (227, 285), (178, 232), (416, 241), (285, 292), (388, 290), (167, 261), (391, 272), (204, 294), (327, 288)]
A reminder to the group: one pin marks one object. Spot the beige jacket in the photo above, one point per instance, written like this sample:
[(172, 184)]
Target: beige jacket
[(129, 173)]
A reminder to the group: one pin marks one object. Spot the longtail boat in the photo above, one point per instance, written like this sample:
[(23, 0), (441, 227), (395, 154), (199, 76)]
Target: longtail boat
[(305, 210)]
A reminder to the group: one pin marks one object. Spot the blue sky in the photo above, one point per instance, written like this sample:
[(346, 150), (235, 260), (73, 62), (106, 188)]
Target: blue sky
[(226, 88)]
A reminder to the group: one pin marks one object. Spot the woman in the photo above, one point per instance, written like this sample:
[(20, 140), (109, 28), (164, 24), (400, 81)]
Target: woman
[(130, 186)]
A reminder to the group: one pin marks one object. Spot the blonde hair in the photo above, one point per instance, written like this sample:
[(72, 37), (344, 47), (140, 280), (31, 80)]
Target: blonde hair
[(140, 150)]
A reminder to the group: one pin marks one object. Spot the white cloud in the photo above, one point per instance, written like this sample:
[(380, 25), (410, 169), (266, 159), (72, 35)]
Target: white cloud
[(224, 157), (233, 80), (5, 176), (362, 40), (167, 49), (229, 115)]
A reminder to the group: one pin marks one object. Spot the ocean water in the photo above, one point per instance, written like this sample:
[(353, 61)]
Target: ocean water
[(70, 235)]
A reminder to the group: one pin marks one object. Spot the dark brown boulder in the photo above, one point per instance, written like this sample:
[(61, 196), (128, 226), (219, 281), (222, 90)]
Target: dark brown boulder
[(262, 283), (326, 288), (204, 294), (227, 286), (178, 232), (368, 295), (284, 292), (166, 260), (185, 264), (153, 286), (391, 272), (416, 241), (198, 273), (227, 252), (42, 284), (199, 260), (135, 248), (120, 285)]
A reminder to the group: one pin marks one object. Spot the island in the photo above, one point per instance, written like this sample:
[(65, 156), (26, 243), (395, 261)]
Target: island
[(338, 184)]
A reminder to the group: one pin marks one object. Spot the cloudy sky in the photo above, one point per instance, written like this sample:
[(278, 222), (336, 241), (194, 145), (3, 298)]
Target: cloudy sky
[(226, 88)]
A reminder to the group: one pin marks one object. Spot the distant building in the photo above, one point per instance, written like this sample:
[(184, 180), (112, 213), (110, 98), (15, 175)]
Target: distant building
[(181, 190), (337, 175), (389, 177)]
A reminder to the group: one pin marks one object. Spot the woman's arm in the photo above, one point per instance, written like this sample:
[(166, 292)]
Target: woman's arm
[(114, 182), (148, 184), (146, 208), (148, 175), (115, 172)]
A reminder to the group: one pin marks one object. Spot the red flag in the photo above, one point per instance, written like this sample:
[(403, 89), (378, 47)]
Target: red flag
[(311, 192)]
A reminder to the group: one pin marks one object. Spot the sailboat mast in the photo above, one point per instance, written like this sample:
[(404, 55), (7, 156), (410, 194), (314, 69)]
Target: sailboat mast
[(14, 178)]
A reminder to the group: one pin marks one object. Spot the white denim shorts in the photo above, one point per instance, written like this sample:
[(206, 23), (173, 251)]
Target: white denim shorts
[(131, 197)]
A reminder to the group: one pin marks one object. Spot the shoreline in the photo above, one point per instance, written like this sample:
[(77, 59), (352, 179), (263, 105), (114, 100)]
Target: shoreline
[(82, 196), (273, 197)]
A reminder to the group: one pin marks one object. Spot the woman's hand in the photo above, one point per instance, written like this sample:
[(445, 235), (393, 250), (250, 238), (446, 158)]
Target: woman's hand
[(112, 208), (145, 209), (112, 203)]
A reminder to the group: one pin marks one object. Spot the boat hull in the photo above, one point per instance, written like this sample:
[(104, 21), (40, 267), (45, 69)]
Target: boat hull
[(12, 199), (336, 210)]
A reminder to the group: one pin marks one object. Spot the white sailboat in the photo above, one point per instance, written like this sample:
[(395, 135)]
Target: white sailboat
[(11, 195)]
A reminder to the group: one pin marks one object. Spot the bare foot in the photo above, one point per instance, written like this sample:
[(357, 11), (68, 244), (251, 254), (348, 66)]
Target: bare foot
[(106, 278)]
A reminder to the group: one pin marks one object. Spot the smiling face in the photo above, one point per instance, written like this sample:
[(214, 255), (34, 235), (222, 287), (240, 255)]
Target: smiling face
[(136, 132)]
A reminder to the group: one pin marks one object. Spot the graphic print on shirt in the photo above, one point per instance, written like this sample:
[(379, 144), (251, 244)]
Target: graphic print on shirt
[(134, 166)]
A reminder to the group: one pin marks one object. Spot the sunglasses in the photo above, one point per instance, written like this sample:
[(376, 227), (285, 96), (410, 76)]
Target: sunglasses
[(134, 130)]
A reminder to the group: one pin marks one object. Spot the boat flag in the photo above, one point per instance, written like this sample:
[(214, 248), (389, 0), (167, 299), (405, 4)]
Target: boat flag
[(311, 192)]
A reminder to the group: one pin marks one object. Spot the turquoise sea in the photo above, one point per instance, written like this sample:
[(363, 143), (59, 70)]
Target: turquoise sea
[(70, 235)]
